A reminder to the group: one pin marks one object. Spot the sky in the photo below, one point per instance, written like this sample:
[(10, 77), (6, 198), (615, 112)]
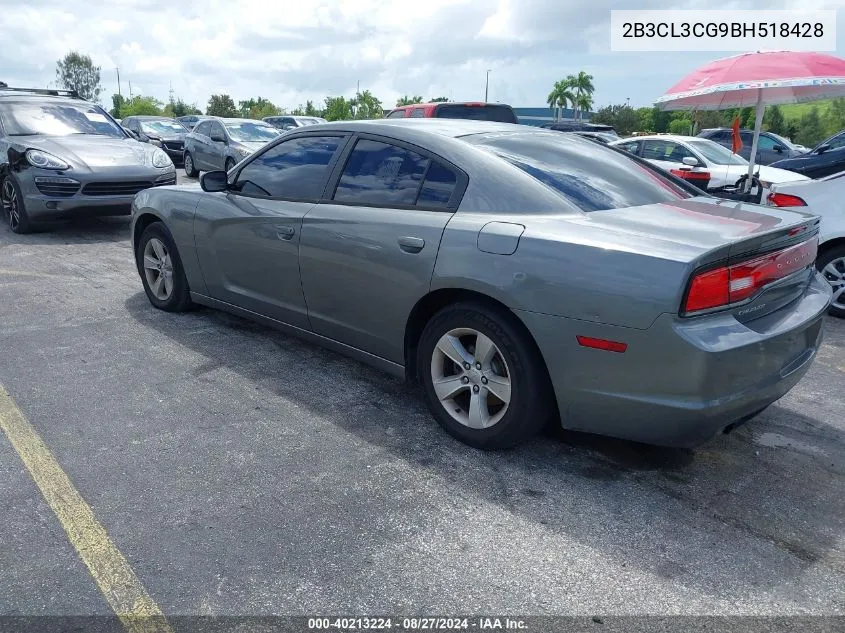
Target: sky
[(290, 52)]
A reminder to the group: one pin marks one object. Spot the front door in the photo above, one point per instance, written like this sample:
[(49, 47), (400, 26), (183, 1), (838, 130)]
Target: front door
[(248, 238), (368, 254)]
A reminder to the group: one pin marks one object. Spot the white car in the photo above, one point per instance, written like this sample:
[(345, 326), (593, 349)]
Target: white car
[(671, 152), (826, 198)]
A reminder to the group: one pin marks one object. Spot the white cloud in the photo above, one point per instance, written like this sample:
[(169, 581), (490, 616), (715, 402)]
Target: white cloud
[(290, 52)]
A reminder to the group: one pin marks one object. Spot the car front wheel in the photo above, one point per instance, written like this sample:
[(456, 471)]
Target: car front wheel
[(161, 270), (14, 209), (482, 377), (831, 264)]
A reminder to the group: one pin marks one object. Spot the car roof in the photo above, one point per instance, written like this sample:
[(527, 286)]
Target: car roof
[(35, 96), (225, 119), (458, 103), (151, 117), (660, 137), (400, 128)]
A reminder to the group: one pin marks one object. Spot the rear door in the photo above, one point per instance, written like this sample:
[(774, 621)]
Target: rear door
[(367, 253), (215, 155), (248, 238)]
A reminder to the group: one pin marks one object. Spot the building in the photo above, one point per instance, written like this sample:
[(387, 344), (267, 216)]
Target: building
[(538, 116)]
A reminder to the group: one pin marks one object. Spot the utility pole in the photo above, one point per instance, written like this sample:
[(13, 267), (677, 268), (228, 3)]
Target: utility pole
[(486, 86), (118, 81), (171, 92), (130, 91)]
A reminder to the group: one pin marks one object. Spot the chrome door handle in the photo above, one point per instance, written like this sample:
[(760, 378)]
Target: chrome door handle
[(285, 232), (411, 244)]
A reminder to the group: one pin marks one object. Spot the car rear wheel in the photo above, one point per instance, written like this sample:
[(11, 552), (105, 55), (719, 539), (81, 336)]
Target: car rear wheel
[(831, 264), (161, 270), (482, 377), (14, 210), (190, 170)]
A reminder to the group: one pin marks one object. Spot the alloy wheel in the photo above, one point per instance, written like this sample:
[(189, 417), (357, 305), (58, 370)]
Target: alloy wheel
[(158, 269), (11, 205), (834, 274), (189, 164), (471, 378)]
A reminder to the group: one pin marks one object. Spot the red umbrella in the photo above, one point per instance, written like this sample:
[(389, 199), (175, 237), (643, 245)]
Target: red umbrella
[(758, 79)]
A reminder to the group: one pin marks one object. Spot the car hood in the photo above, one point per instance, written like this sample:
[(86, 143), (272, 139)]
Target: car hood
[(796, 162), (89, 150)]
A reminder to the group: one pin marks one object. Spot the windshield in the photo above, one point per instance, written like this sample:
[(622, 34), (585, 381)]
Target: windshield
[(56, 118), (247, 132), (717, 154), (588, 174), (162, 126)]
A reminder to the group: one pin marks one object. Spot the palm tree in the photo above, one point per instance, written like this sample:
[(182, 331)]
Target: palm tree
[(582, 84), (406, 100), (559, 97), (584, 103)]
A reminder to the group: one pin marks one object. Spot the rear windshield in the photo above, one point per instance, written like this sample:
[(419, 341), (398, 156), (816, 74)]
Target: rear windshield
[(591, 176), (498, 113)]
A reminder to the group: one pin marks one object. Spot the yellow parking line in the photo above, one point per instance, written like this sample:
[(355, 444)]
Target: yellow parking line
[(110, 570)]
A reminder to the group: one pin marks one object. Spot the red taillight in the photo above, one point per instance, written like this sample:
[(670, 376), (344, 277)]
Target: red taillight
[(785, 200), (723, 286), (600, 343), (688, 174)]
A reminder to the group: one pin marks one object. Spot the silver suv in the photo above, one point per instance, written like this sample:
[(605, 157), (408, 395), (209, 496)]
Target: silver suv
[(62, 157)]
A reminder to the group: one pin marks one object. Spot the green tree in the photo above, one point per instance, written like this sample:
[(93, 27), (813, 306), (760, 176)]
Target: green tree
[(681, 126), (221, 105), (258, 108), (561, 95), (366, 106), (623, 118), (773, 120), (438, 99), (661, 119), (180, 108), (310, 110), (705, 119), (645, 120), (406, 100), (77, 72), (140, 105), (118, 101), (337, 109), (810, 130), (582, 85), (834, 118)]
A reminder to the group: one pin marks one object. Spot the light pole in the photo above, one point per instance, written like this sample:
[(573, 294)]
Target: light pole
[(486, 86)]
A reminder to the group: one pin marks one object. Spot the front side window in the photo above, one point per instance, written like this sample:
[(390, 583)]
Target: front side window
[(766, 142), (667, 151), (295, 169), (589, 175), (203, 127), (33, 117), (418, 112)]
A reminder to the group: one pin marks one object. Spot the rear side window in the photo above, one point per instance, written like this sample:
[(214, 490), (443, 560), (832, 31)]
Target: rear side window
[(382, 174), (489, 112), (591, 176), (396, 114), (417, 113)]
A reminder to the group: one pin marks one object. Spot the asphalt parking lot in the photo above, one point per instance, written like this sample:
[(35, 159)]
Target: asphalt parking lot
[(240, 471)]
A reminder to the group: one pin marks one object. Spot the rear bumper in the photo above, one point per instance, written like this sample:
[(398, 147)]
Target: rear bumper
[(681, 381)]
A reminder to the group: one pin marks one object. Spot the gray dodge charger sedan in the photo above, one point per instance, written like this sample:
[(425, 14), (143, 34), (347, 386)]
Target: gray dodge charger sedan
[(61, 157), (518, 274)]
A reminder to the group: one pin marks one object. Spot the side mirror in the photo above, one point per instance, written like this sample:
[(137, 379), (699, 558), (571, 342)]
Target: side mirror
[(690, 160), (212, 181), (218, 138), (780, 149), (821, 149)]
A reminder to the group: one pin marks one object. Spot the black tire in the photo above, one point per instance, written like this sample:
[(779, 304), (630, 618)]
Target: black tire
[(14, 207), (188, 164), (530, 402), (179, 299), (230, 163), (827, 256)]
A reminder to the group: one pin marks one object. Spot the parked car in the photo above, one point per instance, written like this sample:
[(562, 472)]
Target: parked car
[(825, 197), (827, 158), (61, 157), (451, 110), (582, 127), (770, 146), (517, 273), (217, 143), (190, 120), (160, 131), (288, 122), (725, 168), (601, 137)]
